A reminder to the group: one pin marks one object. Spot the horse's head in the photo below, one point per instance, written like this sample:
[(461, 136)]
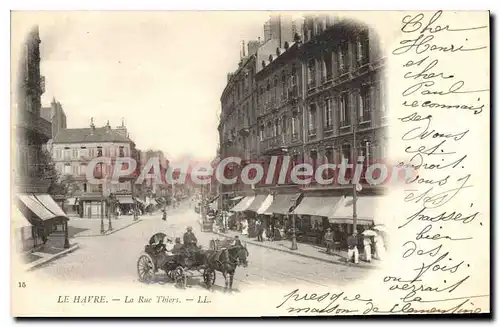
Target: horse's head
[(240, 253)]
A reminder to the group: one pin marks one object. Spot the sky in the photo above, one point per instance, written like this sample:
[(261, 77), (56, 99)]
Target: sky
[(162, 72)]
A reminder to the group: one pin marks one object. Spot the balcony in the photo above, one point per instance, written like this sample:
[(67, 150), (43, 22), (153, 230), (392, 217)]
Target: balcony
[(274, 142), (328, 127), (311, 85)]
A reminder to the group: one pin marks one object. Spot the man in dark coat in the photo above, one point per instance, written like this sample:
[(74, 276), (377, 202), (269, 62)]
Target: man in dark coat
[(352, 248)]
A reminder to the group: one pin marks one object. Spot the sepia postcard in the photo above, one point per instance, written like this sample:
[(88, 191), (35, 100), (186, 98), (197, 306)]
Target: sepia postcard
[(250, 164)]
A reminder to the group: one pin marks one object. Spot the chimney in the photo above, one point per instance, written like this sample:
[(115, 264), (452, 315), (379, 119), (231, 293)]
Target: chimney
[(92, 126), (243, 48), (108, 127)]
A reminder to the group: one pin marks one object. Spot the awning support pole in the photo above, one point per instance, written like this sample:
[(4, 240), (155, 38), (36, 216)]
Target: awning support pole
[(66, 238)]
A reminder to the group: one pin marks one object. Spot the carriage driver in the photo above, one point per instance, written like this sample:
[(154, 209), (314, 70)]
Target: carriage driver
[(162, 252), (190, 240)]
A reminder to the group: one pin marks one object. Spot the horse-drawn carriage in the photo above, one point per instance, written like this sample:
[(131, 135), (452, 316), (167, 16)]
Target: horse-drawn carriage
[(177, 266), (223, 256)]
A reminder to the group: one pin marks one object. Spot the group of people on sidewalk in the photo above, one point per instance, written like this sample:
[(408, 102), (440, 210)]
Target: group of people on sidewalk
[(372, 246)]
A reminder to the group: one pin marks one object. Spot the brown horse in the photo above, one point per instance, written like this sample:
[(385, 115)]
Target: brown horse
[(226, 260)]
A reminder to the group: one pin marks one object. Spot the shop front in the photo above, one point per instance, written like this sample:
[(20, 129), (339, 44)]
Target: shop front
[(278, 214), (342, 218), (312, 217), (44, 215)]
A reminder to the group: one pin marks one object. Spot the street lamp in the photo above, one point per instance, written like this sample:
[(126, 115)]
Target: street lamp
[(101, 186), (135, 203), (294, 235)]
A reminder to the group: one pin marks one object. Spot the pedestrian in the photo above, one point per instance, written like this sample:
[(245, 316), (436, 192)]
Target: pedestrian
[(244, 227), (379, 247), (329, 240), (352, 246), (260, 230), (367, 244)]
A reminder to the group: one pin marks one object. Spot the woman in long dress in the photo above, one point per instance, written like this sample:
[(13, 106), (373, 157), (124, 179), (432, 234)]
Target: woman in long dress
[(379, 247), (244, 227)]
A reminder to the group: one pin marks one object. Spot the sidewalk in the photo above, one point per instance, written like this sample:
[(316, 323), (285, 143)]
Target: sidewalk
[(89, 227), (304, 250)]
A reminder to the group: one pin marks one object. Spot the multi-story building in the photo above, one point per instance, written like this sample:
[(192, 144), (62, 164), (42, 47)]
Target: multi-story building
[(319, 99), (35, 212), (32, 131), (343, 91), (238, 128), (72, 150), (55, 114)]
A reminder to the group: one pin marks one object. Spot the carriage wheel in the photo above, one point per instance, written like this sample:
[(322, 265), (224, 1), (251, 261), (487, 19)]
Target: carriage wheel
[(209, 277), (145, 268), (212, 245), (179, 277)]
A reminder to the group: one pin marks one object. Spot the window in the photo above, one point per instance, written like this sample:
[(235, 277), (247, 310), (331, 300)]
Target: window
[(112, 152), (67, 169), (67, 153), (74, 170), (342, 58), (83, 169), (122, 151), (362, 49), (344, 110), (276, 128), (75, 153), (99, 151), (311, 72), (328, 65), (382, 99), (283, 125), (294, 124), (312, 119), (328, 114), (261, 132), (366, 150), (58, 154), (92, 152), (364, 104)]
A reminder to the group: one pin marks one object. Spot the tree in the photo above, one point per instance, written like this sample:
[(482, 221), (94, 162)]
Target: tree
[(46, 170)]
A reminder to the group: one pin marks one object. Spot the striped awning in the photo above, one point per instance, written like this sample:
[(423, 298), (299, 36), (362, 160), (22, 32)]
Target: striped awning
[(40, 207), (365, 210), (243, 204), (259, 200), (265, 205), (282, 203), (317, 205)]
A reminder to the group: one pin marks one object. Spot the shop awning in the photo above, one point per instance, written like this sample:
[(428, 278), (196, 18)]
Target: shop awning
[(317, 205), (259, 200), (18, 219), (243, 204), (91, 197), (40, 207), (125, 199), (365, 210), (265, 205), (282, 203)]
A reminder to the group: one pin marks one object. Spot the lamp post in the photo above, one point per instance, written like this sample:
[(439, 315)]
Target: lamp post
[(133, 199), (102, 201), (294, 235), (354, 190)]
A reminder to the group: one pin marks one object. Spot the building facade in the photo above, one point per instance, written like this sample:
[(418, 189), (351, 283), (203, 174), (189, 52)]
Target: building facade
[(55, 114), (319, 98), (32, 131), (72, 150)]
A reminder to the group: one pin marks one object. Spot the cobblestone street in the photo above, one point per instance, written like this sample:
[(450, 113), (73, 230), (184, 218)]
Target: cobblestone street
[(114, 258)]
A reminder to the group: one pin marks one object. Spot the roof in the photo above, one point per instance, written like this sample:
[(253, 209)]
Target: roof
[(89, 135)]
